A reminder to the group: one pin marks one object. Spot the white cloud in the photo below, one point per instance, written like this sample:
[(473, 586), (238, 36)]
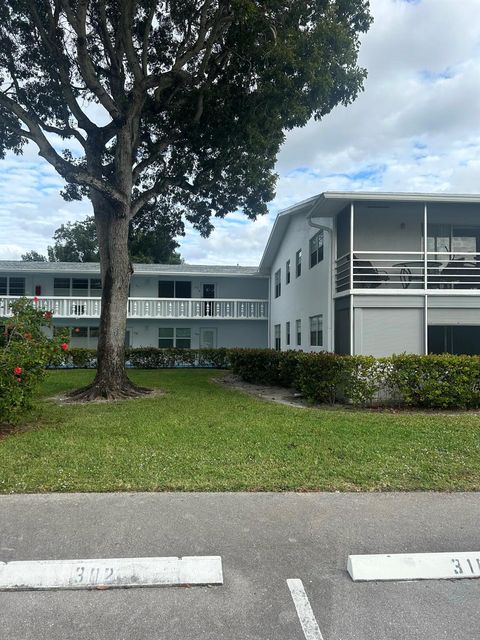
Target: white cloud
[(416, 127)]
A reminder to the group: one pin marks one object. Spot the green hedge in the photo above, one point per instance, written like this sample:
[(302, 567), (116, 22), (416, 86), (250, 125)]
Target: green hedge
[(441, 382), (434, 382), (152, 358)]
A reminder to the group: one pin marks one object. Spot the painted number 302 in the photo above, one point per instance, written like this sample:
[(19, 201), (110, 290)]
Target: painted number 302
[(94, 575), (468, 567)]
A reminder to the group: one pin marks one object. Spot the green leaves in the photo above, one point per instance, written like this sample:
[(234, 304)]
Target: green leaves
[(25, 351)]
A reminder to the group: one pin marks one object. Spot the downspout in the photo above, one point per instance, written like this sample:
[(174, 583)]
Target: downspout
[(330, 312)]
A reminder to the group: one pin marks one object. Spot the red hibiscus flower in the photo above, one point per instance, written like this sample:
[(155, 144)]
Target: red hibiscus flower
[(48, 315), (35, 299), (17, 371), (64, 346), (19, 379)]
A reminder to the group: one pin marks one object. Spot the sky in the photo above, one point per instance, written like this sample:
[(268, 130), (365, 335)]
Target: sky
[(415, 127)]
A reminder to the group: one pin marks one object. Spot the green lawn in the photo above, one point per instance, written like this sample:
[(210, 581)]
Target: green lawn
[(200, 436)]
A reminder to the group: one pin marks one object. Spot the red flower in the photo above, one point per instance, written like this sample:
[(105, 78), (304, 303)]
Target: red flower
[(17, 371), (64, 346), (35, 299), (19, 379), (48, 315), (77, 329)]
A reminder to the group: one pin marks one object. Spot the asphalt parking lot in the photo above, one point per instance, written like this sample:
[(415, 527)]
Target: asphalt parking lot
[(264, 540)]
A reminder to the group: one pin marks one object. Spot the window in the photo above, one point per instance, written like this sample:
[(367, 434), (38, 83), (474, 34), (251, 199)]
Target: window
[(3, 286), (174, 337), (165, 337), (94, 332), (278, 340), (278, 283), (183, 338), (183, 289), (16, 286), (287, 332), (95, 286), (166, 289), (61, 286), (316, 249), (298, 263), (298, 327), (316, 331), (81, 287), (287, 272), (174, 289)]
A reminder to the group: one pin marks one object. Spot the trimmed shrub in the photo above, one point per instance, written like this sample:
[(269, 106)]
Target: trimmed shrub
[(436, 382), (319, 376), (259, 366), (364, 379), (443, 381)]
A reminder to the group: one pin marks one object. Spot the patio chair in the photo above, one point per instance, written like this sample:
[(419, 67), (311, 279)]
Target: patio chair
[(367, 276), (459, 274)]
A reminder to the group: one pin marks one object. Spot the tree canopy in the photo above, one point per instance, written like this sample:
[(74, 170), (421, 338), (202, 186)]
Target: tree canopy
[(203, 91), (33, 256), (167, 108), (149, 242)]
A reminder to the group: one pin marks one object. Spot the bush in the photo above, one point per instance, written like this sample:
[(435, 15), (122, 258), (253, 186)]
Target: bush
[(436, 382), (25, 353), (319, 376), (444, 381), (152, 358), (259, 366)]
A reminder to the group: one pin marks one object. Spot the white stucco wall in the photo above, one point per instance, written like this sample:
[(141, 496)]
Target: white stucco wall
[(305, 296), (144, 333), (225, 286)]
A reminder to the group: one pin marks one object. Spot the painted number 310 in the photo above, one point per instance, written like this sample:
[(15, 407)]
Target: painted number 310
[(473, 566), (96, 575)]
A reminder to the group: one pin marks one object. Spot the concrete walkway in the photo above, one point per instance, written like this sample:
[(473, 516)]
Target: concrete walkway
[(264, 539)]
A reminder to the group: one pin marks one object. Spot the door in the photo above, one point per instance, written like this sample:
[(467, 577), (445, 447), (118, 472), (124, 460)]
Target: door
[(208, 293), (209, 290), (208, 338)]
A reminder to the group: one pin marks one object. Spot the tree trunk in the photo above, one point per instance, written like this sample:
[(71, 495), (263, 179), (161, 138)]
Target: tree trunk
[(111, 381)]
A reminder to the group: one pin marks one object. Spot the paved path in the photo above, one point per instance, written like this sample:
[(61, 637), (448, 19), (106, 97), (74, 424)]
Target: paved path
[(264, 540)]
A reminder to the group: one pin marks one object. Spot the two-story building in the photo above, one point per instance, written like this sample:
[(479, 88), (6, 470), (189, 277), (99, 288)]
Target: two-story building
[(169, 305), (360, 273), (376, 273)]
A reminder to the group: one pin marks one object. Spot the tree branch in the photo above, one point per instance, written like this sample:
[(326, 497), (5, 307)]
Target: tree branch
[(66, 169)]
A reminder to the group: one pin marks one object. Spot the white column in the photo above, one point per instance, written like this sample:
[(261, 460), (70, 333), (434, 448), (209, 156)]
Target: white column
[(352, 220)]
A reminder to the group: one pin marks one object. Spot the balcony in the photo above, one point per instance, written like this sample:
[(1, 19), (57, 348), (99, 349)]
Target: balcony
[(151, 308), (408, 271)]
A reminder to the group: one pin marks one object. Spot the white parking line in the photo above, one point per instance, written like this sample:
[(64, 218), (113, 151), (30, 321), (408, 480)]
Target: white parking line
[(311, 630)]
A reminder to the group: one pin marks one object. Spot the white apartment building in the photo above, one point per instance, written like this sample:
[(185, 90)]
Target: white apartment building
[(360, 273)]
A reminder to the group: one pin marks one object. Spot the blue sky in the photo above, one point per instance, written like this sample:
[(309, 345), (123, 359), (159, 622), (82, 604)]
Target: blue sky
[(416, 127)]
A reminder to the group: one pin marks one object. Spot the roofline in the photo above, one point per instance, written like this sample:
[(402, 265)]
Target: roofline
[(37, 267), (355, 196)]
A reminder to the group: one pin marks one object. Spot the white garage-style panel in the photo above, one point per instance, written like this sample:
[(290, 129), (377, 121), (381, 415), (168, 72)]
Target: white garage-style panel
[(381, 332)]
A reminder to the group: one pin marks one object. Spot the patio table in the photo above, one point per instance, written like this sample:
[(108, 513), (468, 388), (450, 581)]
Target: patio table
[(407, 270)]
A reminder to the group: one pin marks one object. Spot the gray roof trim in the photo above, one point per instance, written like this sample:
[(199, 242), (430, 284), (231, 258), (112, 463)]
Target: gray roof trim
[(330, 203), (16, 266)]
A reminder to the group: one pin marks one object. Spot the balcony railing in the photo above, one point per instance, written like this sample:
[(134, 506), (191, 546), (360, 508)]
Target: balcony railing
[(151, 308), (407, 270)]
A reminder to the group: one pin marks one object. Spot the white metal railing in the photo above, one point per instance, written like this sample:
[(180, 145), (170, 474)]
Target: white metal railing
[(407, 270), (151, 308)]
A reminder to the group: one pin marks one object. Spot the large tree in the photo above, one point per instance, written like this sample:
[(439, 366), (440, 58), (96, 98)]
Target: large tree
[(171, 106)]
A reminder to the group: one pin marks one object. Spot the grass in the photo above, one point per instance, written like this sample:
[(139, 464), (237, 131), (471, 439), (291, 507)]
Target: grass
[(200, 436)]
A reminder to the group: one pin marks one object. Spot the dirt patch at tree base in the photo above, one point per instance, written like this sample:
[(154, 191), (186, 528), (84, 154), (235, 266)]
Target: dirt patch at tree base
[(65, 400)]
